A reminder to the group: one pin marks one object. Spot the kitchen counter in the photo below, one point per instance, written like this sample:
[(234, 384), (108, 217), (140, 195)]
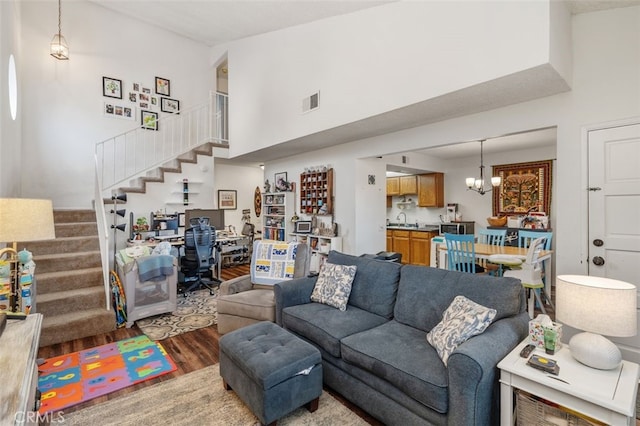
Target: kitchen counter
[(411, 227)]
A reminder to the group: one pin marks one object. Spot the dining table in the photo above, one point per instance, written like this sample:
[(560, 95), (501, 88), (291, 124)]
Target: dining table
[(485, 251)]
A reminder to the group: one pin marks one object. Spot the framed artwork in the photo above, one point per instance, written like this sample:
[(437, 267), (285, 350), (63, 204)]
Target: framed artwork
[(119, 111), (149, 120), (169, 105), (525, 187), (181, 220), (111, 87), (280, 180), (162, 86), (227, 199)]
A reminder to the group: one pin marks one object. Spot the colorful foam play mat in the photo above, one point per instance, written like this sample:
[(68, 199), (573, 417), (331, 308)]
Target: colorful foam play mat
[(70, 379)]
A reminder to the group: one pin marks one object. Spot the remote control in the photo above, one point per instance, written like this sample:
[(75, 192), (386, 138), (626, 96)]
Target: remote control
[(526, 351)]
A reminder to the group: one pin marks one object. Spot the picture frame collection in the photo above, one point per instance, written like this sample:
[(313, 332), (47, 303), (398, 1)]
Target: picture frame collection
[(141, 97)]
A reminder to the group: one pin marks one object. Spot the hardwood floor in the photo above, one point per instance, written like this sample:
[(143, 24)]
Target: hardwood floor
[(190, 351)]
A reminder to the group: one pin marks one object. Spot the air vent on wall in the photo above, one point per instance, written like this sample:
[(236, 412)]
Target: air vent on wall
[(311, 102)]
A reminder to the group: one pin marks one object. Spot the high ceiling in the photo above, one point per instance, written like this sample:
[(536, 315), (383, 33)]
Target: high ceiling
[(215, 22)]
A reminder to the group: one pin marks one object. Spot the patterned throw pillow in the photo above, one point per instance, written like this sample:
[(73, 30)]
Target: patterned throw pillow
[(463, 319), (333, 286)]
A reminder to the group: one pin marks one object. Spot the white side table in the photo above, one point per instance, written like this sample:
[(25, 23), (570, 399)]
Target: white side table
[(605, 395)]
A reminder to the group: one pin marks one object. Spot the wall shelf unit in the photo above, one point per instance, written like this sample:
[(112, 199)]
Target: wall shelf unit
[(277, 213), (316, 192), (319, 248)]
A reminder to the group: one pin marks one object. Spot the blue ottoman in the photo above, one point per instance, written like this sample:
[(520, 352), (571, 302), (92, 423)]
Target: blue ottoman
[(271, 370)]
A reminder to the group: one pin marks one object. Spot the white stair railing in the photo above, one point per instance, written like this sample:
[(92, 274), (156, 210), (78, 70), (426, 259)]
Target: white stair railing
[(122, 158)]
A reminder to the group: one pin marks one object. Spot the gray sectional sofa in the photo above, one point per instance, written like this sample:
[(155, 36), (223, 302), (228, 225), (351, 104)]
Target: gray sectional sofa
[(376, 353)]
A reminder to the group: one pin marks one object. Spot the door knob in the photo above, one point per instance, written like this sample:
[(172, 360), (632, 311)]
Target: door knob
[(598, 242), (598, 261)]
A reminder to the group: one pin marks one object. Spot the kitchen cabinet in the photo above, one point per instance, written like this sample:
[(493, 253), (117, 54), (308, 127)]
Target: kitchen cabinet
[(420, 247), (393, 186), (402, 185), (431, 190), (401, 244), (415, 246), (408, 185)]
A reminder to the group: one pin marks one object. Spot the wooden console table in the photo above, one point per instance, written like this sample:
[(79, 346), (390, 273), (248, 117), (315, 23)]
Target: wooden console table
[(18, 371)]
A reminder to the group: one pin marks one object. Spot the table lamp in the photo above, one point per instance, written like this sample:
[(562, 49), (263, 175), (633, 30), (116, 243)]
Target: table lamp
[(23, 220), (597, 306)]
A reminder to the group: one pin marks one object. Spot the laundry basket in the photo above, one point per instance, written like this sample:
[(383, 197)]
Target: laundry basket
[(533, 411)]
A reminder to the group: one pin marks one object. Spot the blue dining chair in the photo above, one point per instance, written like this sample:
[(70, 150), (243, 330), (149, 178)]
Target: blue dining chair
[(526, 237), (461, 253), (492, 236)]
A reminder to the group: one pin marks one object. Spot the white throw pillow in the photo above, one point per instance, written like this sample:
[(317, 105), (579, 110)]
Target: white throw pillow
[(333, 286), (463, 319)]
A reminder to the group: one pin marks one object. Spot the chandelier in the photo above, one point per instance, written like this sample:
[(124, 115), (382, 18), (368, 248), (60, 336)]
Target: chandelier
[(477, 184), (59, 48)]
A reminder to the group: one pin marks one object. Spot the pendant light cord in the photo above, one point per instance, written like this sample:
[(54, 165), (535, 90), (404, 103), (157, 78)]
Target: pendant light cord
[(59, 19)]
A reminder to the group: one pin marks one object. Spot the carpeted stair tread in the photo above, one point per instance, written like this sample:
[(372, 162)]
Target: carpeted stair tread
[(70, 300), (70, 216), (63, 245), (76, 229), (49, 282), (76, 325), (67, 261)]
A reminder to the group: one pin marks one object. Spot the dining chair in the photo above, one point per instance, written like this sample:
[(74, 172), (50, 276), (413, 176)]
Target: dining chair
[(526, 237), (530, 275), (492, 236), (461, 253)]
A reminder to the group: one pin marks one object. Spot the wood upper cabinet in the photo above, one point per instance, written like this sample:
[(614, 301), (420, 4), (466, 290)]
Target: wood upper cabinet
[(408, 185), (402, 185), (393, 186), (431, 190)]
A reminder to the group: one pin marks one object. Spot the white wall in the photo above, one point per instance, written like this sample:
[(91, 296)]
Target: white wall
[(374, 61), (606, 57), (63, 100), (10, 130)]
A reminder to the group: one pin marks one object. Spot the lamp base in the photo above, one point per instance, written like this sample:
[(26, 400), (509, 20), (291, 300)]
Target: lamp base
[(596, 351)]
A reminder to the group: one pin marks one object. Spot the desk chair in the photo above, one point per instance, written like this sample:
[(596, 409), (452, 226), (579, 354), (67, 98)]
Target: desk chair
[(526, 237), (461, 253), (249, 231), (494, 237), (530, 274), (199, 256)]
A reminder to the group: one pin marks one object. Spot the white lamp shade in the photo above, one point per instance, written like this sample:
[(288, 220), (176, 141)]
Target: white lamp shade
[(597, 305), (470, 181), (23, 219), (496, 181)]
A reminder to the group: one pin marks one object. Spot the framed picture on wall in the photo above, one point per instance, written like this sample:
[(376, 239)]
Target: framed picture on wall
[(524, 187), (149, 120), (227, 199), (169, 105), (111, 87), (163, 86)]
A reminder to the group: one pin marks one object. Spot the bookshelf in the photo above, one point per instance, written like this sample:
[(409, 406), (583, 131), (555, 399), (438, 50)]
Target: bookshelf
[(277, 213)]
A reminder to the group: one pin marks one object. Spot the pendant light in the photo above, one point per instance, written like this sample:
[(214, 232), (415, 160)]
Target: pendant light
[(59, 47), (477, 184)]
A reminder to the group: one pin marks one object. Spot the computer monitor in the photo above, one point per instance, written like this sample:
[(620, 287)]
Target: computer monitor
[(216, 217)]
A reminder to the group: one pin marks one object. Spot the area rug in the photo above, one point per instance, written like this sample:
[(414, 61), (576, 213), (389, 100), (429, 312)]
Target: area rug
[(73, 378), (198, 398), (197, 310)]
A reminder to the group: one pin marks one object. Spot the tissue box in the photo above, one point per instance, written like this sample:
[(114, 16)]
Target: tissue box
[(536, 332)]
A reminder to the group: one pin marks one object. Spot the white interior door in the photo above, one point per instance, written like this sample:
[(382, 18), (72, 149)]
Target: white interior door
[(614, 212)]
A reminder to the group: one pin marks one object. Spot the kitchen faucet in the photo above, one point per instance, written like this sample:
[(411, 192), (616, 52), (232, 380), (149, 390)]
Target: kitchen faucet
[(405, 217)]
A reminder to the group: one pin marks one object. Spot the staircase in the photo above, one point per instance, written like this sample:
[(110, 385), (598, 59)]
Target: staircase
[(69, 286)]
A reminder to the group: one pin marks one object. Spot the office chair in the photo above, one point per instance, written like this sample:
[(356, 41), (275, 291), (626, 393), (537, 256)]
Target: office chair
[(199, 256), (249, 232)]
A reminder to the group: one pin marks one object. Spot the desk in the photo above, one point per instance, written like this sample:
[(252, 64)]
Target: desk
[(605, 395), (483, 251)]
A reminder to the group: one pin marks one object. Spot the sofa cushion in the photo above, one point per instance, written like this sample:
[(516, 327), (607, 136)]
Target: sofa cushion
[(424, 293), (334, 285), (462, 320), (400, 355), (375, 285), (255, 304), (325, 326)]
